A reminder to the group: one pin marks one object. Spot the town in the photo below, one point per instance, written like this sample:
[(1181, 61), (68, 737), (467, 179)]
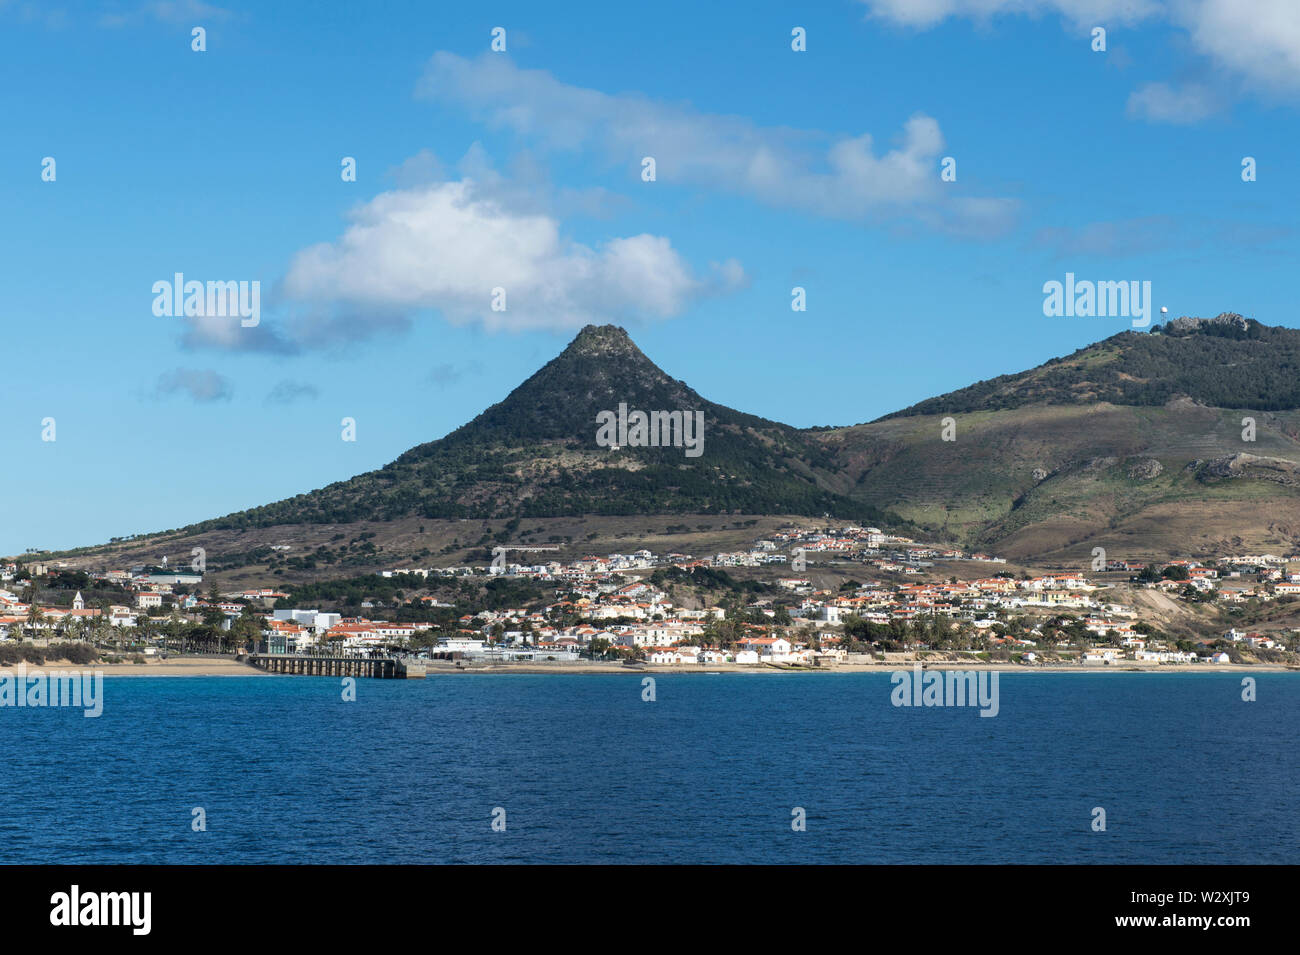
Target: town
[(890, 598)]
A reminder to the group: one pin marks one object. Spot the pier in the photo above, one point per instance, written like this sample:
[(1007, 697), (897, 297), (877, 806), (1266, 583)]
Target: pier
[(378, 668)]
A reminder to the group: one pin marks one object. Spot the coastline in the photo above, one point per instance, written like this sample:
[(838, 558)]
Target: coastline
[(891, 667), (208, 667)]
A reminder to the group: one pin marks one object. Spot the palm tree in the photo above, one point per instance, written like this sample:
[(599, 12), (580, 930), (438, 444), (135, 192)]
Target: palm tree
[(34, 616), (175, 632), (144, 629), (101, 624)]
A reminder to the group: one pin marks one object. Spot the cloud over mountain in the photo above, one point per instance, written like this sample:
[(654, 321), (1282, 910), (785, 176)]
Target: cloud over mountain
[(446, 247)]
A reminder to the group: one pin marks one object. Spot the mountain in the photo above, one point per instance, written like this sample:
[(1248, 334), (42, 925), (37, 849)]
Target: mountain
[(1227, 362), (1182, 440), (535, 454)]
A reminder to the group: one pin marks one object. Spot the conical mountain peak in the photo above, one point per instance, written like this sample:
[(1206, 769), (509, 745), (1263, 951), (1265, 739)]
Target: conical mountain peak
[(603, 340), (600, 369)]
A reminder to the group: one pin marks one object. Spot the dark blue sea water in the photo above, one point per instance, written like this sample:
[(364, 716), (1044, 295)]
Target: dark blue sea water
[(587, 772)]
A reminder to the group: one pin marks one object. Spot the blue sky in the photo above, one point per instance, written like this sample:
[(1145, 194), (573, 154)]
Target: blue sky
[(522, 169)]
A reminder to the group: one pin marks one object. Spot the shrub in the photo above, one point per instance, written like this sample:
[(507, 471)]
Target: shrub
[(11, 653), (76, 653)]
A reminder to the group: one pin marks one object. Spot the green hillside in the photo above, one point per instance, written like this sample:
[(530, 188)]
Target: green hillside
[(1227, 362), (1053, 479)]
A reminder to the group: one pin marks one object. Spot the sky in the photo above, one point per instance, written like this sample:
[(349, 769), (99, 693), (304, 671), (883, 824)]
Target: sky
[(523, 170)]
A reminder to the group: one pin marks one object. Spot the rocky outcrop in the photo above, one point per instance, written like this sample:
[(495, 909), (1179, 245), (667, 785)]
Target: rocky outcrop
[(1241, 465), (1144, 469), (1225, 319)]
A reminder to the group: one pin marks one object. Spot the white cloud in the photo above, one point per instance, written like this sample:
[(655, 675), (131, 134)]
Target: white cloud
[(203, 386), (1257, 40), (177, 12), (926, 13), (1162, 103), (445, 246), (229, 334), (525, 187), (845, 178), (287, 391)]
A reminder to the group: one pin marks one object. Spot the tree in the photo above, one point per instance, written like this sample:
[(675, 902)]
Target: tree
[(175, 631), (245, 630), (724, 633)]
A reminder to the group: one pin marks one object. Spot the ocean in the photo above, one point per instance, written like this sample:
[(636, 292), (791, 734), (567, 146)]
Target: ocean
[(579, 768)]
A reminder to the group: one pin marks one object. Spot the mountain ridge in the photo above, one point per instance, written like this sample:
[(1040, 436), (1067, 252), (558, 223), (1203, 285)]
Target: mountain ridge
[(535, 454), (1188, 356), (1079, 451)]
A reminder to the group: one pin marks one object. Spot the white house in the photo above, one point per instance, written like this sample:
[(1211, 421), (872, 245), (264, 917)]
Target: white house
[(1100, 656)]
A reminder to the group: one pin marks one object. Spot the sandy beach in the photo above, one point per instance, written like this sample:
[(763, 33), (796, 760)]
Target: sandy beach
[(172, 666)]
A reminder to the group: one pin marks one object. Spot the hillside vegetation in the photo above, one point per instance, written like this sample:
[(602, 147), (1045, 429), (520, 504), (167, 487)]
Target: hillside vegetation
[(1227, 362), (534, 454), (1183, 440)]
